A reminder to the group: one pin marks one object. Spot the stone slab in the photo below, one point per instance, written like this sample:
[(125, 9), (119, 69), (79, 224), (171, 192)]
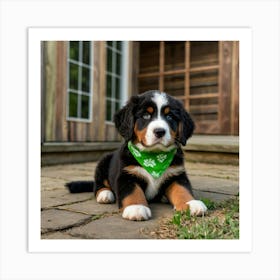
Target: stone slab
[(91, 207), (216, 197), (115, 227), (61, 197), (57, 235), (68, 171), (214, 185), (53, 220)]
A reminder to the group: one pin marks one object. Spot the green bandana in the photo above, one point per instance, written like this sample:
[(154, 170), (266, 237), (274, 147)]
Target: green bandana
[(154, 162)]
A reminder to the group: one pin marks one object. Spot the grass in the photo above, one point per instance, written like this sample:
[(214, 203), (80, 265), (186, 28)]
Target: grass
[(220, 222)]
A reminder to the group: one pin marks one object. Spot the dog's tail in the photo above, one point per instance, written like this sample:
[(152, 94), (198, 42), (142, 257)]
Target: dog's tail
[(80, 186)]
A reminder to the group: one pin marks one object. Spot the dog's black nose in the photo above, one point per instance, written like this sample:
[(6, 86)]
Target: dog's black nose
[(159, 132)]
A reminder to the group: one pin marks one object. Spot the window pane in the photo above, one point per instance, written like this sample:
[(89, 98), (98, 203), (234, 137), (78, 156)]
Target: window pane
[(86, 52), (117, 88), (85, 107), (85, 79), (117, 107), (109, 60), (109, 86), (73, 104), (109, 110), (119, 45), (74, 50), (119, 64), (73, 75)]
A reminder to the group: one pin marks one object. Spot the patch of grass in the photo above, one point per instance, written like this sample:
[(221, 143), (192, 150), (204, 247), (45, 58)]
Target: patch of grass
[(220, 222)]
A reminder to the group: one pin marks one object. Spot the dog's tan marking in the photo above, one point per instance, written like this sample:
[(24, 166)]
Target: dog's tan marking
[(106, 183), (136, 197), (178, 196), (150, 110), (140, 135), (106, 187)]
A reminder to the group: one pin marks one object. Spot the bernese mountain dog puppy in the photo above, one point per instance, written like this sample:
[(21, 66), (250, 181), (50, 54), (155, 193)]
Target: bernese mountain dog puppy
[(149, 166)]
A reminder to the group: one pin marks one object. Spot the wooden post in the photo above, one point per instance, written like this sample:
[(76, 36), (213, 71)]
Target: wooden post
[(225, 62), (187, 74), (50, 70), (161, 66), (234, 128), (134, 65), (61, 92), (102, 81)]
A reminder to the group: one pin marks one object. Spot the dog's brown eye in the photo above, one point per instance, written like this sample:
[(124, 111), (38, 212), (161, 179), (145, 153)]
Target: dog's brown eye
[(146, 116)]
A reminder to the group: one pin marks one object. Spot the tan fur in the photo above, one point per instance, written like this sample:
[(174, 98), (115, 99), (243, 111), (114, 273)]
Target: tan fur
[(136, 197), (178, 196)]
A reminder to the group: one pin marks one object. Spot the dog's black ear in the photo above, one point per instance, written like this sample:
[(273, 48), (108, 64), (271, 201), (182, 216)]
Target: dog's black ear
[(124, 119), (186, 126)]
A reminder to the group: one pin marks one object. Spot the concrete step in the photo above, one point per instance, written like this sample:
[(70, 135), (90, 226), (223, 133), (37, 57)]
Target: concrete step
[(200, 148)]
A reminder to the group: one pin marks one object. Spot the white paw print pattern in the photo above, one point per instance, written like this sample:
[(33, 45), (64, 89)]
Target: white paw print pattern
[(149, 163), (161, 158), (136, 152), (155, 174)]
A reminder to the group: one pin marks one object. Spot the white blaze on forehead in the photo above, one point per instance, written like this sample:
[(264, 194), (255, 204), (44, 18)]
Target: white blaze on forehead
[(160, 100)]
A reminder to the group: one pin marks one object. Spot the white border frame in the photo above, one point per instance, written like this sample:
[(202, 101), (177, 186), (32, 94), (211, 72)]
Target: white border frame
[(244, 36), (262, 16)]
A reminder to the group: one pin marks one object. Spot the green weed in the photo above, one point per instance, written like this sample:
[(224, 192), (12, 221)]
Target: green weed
[(220, 222)]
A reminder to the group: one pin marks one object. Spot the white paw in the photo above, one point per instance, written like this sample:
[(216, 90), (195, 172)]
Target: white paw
[(197, 207), (137, 212), (105, 196)]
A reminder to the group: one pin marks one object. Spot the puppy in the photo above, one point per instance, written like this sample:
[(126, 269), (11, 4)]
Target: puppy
[(149, 166)]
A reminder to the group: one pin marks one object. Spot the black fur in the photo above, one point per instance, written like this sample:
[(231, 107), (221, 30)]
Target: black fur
[(80, 186), (111, 167)]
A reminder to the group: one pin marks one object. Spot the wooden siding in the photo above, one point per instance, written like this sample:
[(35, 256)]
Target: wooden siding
[(203, 75), (55, 126)]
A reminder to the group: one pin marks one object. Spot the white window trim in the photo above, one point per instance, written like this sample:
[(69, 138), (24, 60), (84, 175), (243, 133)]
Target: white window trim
[(123, 77), (79, 92)]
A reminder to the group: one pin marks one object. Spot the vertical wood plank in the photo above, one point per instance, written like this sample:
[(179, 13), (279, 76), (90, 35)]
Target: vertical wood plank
[(161, 66), (235, 90), (95, 125), (43, 91), (61, 92), (51, 74), (187, 74), (225, 49), (134, 66), (102, 93)]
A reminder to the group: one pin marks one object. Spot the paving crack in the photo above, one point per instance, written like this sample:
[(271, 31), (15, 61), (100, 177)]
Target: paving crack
[(65, 204), (83, 222)]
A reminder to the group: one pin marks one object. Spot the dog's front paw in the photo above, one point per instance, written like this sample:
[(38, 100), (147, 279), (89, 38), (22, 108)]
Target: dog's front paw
[(137, 212), (105, 196), (197, 207)]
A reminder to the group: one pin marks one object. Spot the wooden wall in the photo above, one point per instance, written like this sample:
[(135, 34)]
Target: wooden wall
[(55, 126), (203, 75)]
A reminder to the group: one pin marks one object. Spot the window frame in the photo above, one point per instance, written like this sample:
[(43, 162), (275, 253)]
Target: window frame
[(79, 91), (123, 78)]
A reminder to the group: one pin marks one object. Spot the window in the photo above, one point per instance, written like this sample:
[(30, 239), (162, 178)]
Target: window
[(79, 91), (115, 77)]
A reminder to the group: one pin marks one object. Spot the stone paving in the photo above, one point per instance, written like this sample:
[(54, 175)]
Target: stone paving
[(79, 216)]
